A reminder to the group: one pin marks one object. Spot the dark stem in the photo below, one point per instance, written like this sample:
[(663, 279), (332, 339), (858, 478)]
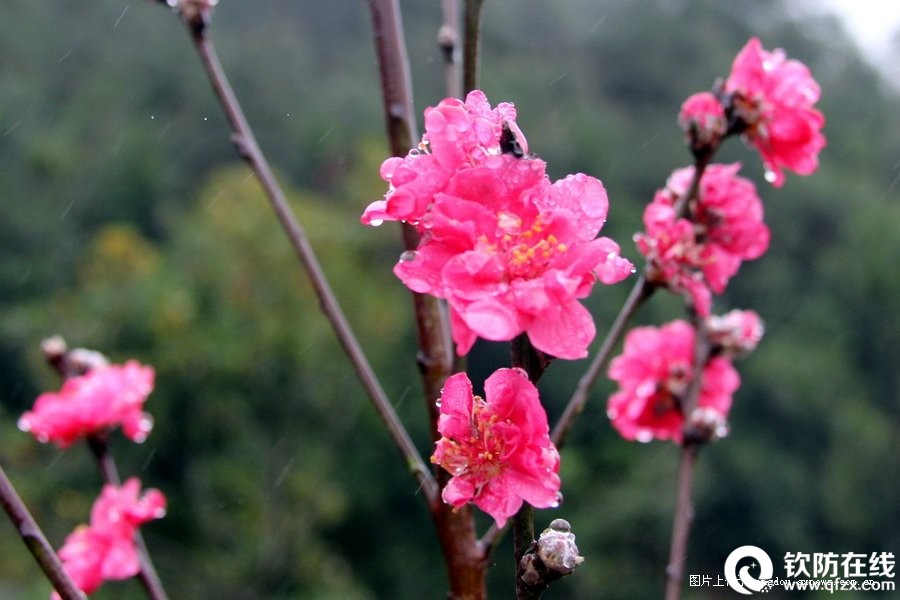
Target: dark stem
[(107, 465), (247, 147), (37, 544), (640, 292), (525, 356), (681, 526), (523, 542), (471, 43)]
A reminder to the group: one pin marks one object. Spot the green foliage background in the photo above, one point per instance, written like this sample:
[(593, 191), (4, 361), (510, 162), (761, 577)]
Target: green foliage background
[(127, 225)]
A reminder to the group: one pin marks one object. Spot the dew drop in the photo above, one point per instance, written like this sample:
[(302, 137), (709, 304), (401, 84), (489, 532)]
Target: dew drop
[(408, 256), (24, 424), (770, 176), (643, 436)]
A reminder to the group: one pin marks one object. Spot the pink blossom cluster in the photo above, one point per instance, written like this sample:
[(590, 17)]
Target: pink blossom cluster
[(654, 373), (769, 99), (104, 397), (105, 549), (696, 254), (509, 250), (497, 448)]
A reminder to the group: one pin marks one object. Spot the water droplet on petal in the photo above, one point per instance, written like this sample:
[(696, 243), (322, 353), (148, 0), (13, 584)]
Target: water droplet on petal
[(146, 424), (770, 176), (24, 424), (408, 256), (643, 436)]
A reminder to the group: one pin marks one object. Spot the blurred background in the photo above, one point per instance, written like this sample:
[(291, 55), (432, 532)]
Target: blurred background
[(128, 225)]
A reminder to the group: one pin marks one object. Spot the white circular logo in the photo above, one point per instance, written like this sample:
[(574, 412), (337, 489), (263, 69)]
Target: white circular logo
[(746, 580)]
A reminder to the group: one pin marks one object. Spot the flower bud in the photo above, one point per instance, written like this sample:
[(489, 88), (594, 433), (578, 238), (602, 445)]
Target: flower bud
[(556, 547), (702, 118)]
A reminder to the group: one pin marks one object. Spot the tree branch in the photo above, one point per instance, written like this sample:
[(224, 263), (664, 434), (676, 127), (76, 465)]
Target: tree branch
[(681, 525), (464, 558), (37, 544), (639, 293), (247, 147)]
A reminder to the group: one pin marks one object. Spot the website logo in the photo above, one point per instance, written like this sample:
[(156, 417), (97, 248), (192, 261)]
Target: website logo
[(741, 580)]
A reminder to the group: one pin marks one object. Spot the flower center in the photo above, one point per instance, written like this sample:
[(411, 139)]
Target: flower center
[(481, 454), (528, 251)]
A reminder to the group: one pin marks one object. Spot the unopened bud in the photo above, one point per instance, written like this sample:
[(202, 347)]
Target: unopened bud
[(556, 548), (736, 333), (707, 424)]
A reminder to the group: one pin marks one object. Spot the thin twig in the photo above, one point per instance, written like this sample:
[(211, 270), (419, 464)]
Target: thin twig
[(639, 293), (37, 544), (681, 525), (247, 147), (523, 542), (110, 474), (471, 43)]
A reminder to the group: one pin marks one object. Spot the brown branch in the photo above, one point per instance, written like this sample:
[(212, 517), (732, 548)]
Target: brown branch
[(640, 292), (464, 558), (247, 147), (693, 439), (681, 526), (35, 541)]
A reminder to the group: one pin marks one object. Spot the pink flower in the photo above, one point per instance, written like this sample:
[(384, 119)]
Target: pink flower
[(773, 97), (698, 254), (509, 250), (735, 333), (105, 550), (498, 450), (513, 253), (103, 397), (702, 118), (458, 135), (654, 372)]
